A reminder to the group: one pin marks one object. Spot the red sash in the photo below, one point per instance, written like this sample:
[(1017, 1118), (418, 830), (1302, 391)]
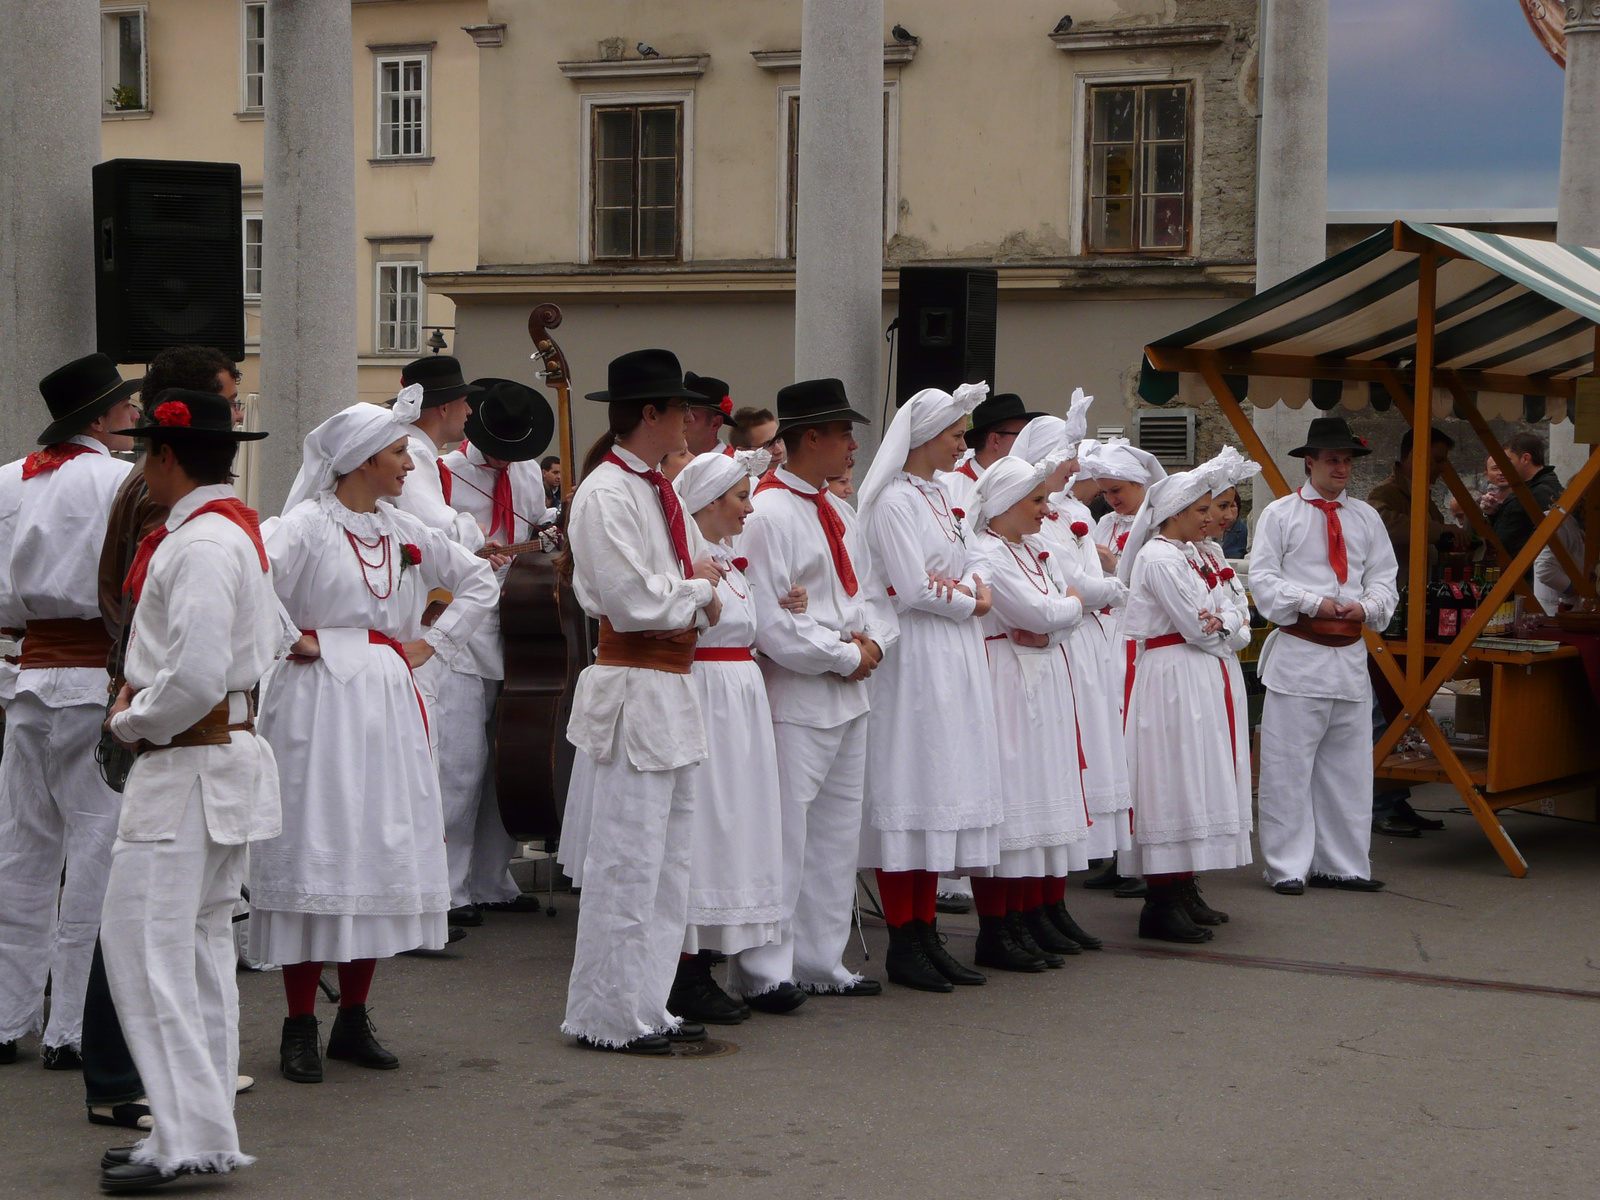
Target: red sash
[(235, 510)]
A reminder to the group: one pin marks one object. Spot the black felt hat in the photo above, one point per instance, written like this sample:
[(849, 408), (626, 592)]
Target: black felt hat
[(1332, 433), (815, 402), (510, 421), (182, 414), (1007, 406), (80, 393), (644, 375), (713, 393), (440, 377)]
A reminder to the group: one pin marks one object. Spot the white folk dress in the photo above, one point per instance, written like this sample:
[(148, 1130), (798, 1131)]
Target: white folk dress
[(1046, 826), (933, 768), (359, 869), (1229, 601), (1111, 531), (1180, 764), (736, 855)]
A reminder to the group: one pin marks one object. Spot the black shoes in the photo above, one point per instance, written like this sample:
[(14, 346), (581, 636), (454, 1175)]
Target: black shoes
[(467, 914), (651, 1044), (1195, 905), (299, 1054), (137, 1177), (907, 962), (687, 1031), (117, 1156), (1045, 934), (1062, 920), (784, 998), (525, 903), (1017, 924), (1131, 889), (952, 903), (1105, 879), (1394, 826), (695, 996), (8, 1052), (1290, 887), (1404, 811), (60, 1058), (861, 987), (997, 947), (1346, 885), (353, 1038), (1165, 919), (943, 962)]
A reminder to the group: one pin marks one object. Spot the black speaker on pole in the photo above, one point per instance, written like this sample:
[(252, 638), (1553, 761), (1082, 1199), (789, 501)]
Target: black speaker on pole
[(947, 328), (169, 251)]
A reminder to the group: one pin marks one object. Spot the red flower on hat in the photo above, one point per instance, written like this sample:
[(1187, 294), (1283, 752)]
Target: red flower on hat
[(1079, 529), (1362, 440), (741, 563), (726, 406), (173, 412)]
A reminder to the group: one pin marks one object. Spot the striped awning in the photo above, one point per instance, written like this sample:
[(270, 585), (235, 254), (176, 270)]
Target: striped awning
[(1513, 317)]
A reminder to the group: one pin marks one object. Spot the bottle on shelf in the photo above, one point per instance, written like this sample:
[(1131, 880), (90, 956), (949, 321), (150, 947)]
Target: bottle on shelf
[(1447, 608), (1469, 596), (1396, 629)]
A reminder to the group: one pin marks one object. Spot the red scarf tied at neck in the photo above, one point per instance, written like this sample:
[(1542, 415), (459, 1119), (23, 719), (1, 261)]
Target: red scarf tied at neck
[(1338, 556), (42, 462), (832, 525), (671, 507), (235, 510)]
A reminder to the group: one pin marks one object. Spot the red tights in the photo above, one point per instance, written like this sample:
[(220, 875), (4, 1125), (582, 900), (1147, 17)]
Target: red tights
[(1165, 880), (996, 897), (907, 896), (300, 984)]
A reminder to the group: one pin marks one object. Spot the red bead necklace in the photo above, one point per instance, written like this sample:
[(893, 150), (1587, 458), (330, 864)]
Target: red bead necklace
[(384, 562), (946, 517), (1036, 574)]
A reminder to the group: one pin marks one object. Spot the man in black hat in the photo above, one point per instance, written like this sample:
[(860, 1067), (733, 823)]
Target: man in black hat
[(206, 626), (54, 806), (707, 414), (995, 425), (1322, 567), (498, 483), (816, 664)]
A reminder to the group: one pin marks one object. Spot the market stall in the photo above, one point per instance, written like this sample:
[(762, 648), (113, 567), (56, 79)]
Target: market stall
[(1417, 318)]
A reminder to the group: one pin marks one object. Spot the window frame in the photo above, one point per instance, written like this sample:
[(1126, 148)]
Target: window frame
[(107, 107), (1083, 162), (249, 216), (245, 74), (397, 264), (788, 185), (636, 158), (379, 62), (588, 102)]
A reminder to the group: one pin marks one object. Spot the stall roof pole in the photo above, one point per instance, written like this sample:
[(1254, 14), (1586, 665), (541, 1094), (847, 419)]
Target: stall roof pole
[(1243, 426), (1421, 435)]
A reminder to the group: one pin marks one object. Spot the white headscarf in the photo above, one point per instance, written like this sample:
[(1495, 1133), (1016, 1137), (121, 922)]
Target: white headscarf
[(1229, 469), (1043, 436), (347, 439), (1078, 415), (710, 475), (1120, 459), (1009, 480), (926, 415), (1164, 498)]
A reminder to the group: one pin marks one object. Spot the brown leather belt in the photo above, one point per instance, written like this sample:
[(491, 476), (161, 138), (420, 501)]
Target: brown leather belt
[(1325, 631), (65, 642), (647, 653), (213, 729)]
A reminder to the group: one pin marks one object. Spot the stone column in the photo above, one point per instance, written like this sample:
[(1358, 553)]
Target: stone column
[(1292, 192), (308, 278), (838, 309), (1578, 217), (50, 89)]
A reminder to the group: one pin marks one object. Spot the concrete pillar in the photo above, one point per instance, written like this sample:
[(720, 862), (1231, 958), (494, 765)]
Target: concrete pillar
[(1292, 188), (1578, 214), (838, 310), (308, 279), (50, 91)]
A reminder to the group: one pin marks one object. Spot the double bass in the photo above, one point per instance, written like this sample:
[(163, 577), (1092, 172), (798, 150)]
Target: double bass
[(546, 645)]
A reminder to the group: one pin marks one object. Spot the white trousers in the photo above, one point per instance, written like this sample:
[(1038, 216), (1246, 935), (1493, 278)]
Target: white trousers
[(821, 773), (54, 808), (635, 902), (1315, 793), (167, 940), (478, 848)]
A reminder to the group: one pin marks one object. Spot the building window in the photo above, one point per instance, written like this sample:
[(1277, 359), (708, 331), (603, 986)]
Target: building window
[(1139, 152), (255, 58), (636, 181), (252, 256), (403, 107), (399, 295), (124, 63), (791, 166)]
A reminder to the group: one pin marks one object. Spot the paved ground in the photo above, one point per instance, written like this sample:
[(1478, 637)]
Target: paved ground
[(1123, 1075)]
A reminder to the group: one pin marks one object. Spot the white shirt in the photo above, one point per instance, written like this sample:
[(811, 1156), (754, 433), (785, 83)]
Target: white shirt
[(11, 614), (807, 654), (1077, 557), (1166, 595), (1290, 577), (423, 494), (52, 566), (626, 570), (207, 626), (959, 484)]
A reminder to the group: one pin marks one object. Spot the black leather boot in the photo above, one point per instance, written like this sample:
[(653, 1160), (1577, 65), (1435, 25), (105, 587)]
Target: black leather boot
[(1048, 938), (1062, 920), (1195, 905), (1104, 879), (354, 1039), (943, 962), (299, 1053), (695, 996), (997, 948), (1164, 919), (907, 962), (1023, 936)]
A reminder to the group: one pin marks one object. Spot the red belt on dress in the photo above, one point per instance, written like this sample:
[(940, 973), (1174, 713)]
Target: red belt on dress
[(723, 654), (1177, 639)]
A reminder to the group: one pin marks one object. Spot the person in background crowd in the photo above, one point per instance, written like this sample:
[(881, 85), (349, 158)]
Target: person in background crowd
[(677, 460), (1512, 523), (1499, 488), (995, 425), (707, 414), (757, 429), (550, 466)]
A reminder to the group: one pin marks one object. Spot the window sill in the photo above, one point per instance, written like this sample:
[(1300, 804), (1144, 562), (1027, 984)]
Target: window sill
[(250, 114), (402, 160), (128, 114)]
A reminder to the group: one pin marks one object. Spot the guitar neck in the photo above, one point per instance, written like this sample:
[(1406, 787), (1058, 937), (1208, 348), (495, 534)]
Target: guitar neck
[(510, 551)]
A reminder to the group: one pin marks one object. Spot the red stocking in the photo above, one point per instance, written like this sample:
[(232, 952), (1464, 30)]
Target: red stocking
[(1166, 880), (1054, 889), (1015, 894), (895, 891), (300, 987), (1032, 893), (924, 893), (989, 896), (355, 980)]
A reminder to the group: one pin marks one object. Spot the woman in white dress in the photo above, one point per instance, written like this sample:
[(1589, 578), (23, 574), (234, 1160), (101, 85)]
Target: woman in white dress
[(1181, 763), (1022, 919), (358, 872), (932, 778)]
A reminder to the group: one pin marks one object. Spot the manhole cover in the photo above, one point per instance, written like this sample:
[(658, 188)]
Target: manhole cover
[(705, 1049)]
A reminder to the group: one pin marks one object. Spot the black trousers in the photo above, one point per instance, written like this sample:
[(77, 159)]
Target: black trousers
[(109, 1076)]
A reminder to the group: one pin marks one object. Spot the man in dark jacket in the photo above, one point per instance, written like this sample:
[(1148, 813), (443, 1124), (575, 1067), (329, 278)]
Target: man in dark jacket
[(1512, 523)]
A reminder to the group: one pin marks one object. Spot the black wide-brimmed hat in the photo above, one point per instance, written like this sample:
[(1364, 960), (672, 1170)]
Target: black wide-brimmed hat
[(80, 393), (440, 377), (1332, 433), (182, 414), (510, 421), (713, 393), (815, 402), (643, 375), (1007, 406)]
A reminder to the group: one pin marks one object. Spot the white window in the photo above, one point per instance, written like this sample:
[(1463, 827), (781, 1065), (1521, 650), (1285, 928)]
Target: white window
[(254, 78), (252, 256), (399, 305), (124, 61), (403, 106)]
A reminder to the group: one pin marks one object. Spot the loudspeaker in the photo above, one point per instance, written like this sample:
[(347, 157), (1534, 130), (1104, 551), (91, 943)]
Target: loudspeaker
[(169, 251), (947, 328)]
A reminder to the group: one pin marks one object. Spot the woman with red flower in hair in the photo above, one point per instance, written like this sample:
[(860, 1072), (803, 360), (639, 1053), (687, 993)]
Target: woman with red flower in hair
[(359, 872)]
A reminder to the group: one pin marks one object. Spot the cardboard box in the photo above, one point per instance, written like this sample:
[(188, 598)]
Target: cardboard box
[(1575, 806)]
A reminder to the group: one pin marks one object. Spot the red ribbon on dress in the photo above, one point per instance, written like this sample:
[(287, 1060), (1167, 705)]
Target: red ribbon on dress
[(671, 507), (1155, 643), (1338, 557), (235, 510), (42, 462), (723, 654), (832, 525), (446, 479), (383, 639)]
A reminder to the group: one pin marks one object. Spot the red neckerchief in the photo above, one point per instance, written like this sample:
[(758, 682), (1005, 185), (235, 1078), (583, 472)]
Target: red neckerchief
[(42, 462), (671, 508), (966, 469), (235, 510), (1338, 556), (446, 479), (832, 525)]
